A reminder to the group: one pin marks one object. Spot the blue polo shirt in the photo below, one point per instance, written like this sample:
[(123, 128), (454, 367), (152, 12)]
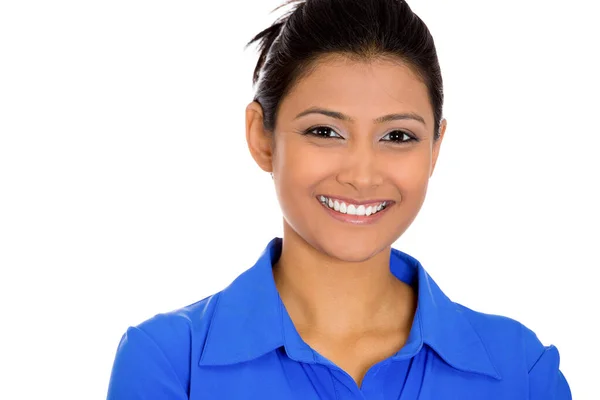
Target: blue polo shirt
[(240, 343)]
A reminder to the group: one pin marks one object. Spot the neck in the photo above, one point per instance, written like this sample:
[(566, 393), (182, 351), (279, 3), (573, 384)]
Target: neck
[(336, 297)]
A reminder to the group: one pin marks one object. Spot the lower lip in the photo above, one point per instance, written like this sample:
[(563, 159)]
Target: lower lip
[(356, 219)]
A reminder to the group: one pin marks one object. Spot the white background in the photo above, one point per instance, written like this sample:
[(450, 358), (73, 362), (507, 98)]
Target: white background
[(126, 188)]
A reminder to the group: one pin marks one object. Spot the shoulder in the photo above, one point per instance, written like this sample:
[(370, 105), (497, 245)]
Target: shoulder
[(161, 350), (177, 333), (180, 325), (501, 334), (516, 349), (505, 337)]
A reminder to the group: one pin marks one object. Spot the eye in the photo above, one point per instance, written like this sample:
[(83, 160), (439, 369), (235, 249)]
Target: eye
[(323, 132), (398, 137)]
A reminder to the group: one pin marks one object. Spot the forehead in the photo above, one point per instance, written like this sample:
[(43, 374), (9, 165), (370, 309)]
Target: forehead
[(360, 88)]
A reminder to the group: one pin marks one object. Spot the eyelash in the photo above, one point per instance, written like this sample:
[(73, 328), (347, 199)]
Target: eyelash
[(310, 131)]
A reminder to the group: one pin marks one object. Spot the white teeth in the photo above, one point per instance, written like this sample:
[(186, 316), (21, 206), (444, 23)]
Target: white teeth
[(351, 209), (343, 208)]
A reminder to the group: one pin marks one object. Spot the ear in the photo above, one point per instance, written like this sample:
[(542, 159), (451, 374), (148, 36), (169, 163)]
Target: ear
[(260, 141), (437, 144)]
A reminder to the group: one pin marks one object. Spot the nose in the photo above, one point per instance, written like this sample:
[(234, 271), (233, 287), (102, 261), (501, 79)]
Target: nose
[(360, 168)]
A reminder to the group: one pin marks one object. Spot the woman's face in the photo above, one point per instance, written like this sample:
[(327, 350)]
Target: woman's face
[(350, 138)]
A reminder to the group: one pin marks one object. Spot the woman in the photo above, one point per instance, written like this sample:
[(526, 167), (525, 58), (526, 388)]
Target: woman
[(347, 118)]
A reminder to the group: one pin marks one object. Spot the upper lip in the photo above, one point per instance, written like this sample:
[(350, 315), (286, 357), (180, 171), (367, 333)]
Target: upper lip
[(348, 200)]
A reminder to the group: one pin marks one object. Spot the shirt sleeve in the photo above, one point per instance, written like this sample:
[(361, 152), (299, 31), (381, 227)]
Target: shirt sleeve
[(546, 381), (142, 371)]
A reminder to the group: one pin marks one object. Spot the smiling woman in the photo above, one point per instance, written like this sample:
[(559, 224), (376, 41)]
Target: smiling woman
[(357, 132), (347, 118)]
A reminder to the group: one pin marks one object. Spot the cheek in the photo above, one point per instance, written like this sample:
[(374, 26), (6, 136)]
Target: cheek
[(303, 165), (413, 175), (408, 172)]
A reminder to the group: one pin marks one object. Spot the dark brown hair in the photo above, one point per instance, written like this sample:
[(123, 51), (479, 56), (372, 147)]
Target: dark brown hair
[(359, 29)]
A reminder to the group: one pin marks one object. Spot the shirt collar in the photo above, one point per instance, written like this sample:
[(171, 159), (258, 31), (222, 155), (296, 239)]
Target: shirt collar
[(444, 326), (250, 320)]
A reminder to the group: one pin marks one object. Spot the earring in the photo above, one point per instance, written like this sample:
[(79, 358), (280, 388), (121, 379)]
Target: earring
[(272, 176)]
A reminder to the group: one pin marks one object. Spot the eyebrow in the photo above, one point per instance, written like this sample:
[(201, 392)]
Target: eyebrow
[(344, 117)]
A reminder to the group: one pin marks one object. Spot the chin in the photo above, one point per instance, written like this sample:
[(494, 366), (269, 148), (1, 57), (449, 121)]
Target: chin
[(350, 249), (340, 243)]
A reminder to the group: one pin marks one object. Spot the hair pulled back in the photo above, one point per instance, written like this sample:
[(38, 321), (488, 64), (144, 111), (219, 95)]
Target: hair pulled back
[(358, 29)]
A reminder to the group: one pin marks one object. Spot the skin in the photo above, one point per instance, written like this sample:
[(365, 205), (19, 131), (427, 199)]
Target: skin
[(333, 276)]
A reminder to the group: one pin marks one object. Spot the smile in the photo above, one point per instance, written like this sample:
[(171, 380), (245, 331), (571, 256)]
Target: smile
[(346, 208)]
